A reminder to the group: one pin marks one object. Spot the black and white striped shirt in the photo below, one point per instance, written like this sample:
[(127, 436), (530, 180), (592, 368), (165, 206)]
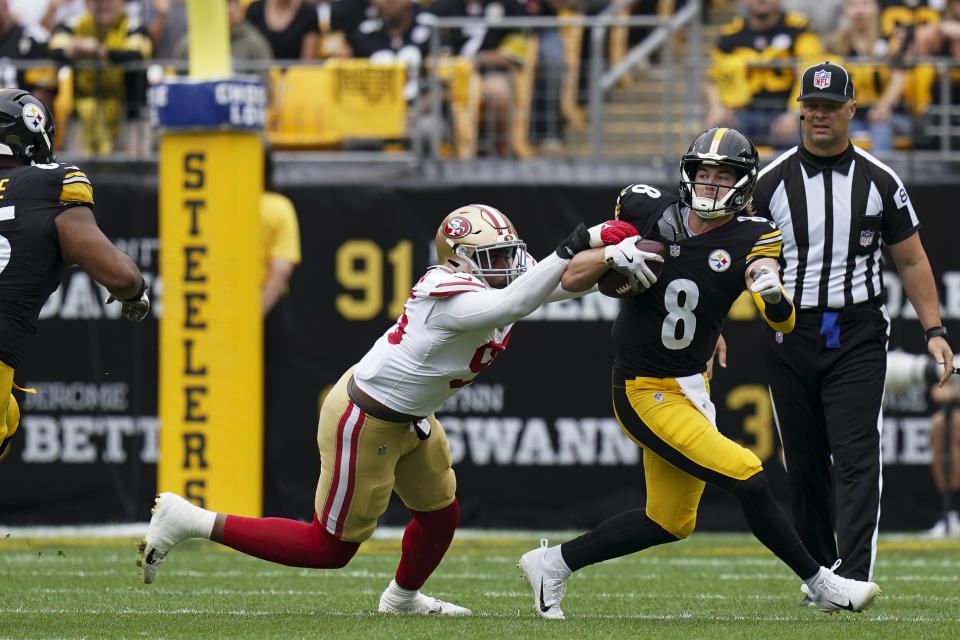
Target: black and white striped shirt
[(835, 214)]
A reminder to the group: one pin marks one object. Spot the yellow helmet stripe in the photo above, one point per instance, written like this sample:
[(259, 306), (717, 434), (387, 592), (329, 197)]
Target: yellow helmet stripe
[(715, 144)]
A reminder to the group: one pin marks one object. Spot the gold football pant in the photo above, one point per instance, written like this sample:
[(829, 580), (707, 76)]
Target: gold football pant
[(9, 409), (363, 460), (682, 450)]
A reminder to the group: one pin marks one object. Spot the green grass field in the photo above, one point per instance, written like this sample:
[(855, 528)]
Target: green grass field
[(712, 586)]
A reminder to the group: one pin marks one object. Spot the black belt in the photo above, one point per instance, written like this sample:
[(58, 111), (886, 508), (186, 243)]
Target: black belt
[(813, 316)]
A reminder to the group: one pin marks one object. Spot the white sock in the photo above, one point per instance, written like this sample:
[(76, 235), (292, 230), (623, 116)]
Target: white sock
[(406, 594), (202, 522), (553, 559), (817, 578)]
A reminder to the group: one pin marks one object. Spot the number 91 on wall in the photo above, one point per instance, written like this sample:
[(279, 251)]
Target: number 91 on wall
[(375, 279)]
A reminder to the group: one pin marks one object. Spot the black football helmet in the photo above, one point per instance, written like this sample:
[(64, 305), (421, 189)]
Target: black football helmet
[(720, 146), (26, 127)]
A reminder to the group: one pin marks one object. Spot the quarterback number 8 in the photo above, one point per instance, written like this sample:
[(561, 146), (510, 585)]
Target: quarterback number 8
[(679, 312)]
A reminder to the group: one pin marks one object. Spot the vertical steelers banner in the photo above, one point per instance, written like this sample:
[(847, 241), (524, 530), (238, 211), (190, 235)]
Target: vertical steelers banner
[(211, 179)]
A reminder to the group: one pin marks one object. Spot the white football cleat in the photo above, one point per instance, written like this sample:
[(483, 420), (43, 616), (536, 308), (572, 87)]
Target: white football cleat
[(396, 599), (834, 593), (173, 521), (548, 588)]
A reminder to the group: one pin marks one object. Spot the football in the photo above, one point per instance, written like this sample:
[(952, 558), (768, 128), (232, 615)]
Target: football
[(614, 284)]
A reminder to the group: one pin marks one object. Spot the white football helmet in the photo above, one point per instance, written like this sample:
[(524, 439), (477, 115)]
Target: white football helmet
[(469, 236)]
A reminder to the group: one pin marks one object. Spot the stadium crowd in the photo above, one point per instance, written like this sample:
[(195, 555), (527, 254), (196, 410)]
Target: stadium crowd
[(514, 92)]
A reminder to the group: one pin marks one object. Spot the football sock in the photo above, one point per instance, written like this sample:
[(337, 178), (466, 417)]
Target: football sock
[(425, 540), (621, 535), (202, 522), (289, 542), (770, 525), (953, 499)]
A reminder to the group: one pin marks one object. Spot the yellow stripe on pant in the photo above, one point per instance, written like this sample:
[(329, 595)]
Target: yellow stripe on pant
[(681, 450)]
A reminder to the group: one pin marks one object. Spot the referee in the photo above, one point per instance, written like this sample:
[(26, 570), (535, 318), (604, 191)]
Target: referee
[(837, 206)]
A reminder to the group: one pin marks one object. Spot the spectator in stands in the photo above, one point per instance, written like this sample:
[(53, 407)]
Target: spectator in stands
[(107, 97), (945, 462), (748, 93), (46, 14), (824, 15), (494, 51), (551, 67), (246, 43), (879, 77), (942, 39), (20, 43), (290, 26), (166, 22), (399, 32), (338, 18)]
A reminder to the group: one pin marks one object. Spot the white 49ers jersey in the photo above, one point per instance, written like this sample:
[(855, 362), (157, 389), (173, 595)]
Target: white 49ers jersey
[(425, 358)]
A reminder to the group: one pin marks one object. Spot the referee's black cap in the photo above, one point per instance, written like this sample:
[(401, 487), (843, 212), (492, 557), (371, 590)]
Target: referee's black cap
[(826, 81)]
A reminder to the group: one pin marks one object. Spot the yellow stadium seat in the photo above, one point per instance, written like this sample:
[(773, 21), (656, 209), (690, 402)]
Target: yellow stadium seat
[(320, 106), (63, 104), (572, 36), (523, 77), (462, 85)]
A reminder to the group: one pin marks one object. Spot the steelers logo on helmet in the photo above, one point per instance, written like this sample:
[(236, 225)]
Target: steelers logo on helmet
[(33, 117), (456, 227), (726, 148), (719, 260)]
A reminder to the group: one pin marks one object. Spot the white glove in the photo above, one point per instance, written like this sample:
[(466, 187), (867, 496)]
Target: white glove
[(766, 284), (625, 258)]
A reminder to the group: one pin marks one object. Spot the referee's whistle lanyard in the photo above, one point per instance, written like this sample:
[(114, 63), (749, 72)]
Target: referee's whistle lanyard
[(830, 329)]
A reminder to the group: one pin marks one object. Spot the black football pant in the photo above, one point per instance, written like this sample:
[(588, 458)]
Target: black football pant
[(826, 382)]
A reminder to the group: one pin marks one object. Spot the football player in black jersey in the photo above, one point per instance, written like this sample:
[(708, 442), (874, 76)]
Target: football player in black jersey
[(664, 338), (46, 222)]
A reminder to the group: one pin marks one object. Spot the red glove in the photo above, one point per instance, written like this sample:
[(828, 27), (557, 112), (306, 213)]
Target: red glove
[(611, 232)]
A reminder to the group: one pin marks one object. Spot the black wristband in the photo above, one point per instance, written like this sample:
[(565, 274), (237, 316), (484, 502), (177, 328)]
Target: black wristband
[(577, 241), (778, 311), (935, 332), (140, 292)]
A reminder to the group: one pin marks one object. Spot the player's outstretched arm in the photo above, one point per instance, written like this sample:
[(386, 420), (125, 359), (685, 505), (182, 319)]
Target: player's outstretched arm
[(763, 282), (584, 270), (83, 243)]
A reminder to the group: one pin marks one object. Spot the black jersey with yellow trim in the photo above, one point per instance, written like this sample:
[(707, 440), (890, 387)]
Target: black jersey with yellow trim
[(754, 69), (31, 266), (670, 330)]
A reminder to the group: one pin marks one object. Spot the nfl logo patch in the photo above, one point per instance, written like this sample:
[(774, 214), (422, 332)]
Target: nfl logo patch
[(821, 79), (866, 238), (674, 251), (778, 337), (658, 396)]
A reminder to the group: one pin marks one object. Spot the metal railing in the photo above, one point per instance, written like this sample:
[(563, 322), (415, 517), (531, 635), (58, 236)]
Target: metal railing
[(602, 139)]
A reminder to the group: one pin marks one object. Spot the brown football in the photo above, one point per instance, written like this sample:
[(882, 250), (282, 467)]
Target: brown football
[(614, 284)]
